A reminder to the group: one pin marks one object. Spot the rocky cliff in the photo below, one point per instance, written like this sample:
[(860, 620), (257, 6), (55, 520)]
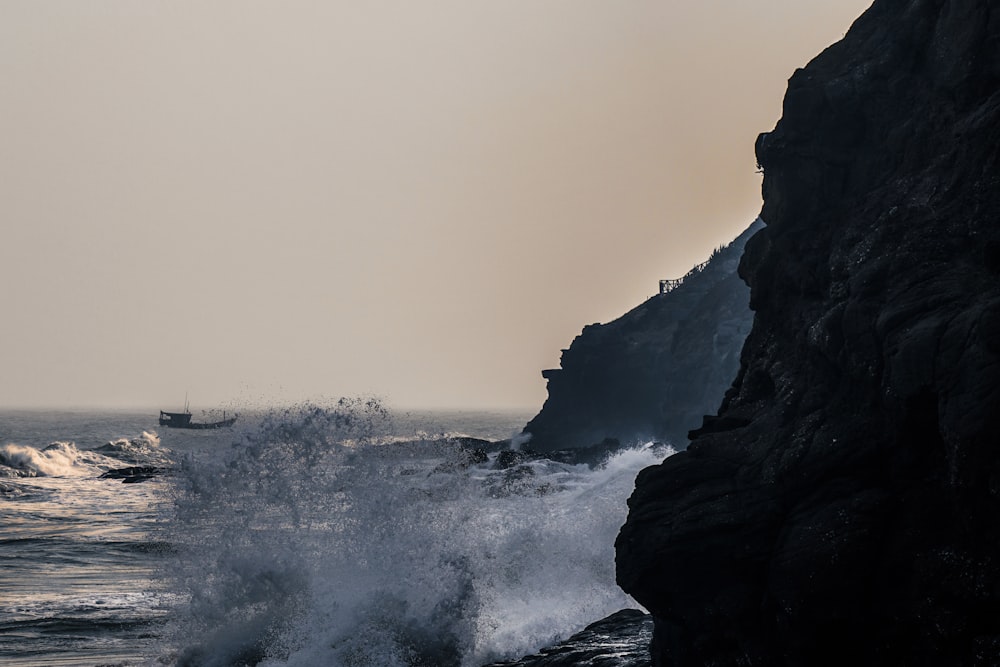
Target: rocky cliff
[(655, 371), (843, 508)]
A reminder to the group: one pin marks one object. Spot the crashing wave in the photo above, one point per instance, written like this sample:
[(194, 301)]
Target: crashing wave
[(313, 544), (144, 449), (60, 459), (65, 459)]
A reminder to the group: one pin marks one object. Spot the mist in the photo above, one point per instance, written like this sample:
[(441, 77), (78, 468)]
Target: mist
[(254, 202)]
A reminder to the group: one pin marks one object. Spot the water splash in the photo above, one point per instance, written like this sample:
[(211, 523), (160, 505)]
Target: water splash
[(312, 543)]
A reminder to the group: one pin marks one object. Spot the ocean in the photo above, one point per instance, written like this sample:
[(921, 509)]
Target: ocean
[(341, 534)]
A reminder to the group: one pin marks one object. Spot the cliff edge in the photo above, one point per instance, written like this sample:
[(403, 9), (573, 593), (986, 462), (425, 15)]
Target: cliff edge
[(654, 372), (843, 506)]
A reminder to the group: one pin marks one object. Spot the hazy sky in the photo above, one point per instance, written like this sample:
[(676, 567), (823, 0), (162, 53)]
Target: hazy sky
[(425, 199)]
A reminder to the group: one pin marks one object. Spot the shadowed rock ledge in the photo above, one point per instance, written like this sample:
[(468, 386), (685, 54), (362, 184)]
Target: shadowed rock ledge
[(620, 640), (655, 371), (843, 508)]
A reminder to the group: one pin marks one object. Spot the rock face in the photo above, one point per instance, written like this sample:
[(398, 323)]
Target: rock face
[(655, 371), (844, 506), (620, 640)]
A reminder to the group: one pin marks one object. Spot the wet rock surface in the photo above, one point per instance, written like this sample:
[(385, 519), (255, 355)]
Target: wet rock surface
[(842, 508), (133, 474), (620, 640), (655, 371)]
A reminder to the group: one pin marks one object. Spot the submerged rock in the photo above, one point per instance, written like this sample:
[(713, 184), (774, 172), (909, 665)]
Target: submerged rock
[(132, 474), (509, 458), (652, 373), (620, 640), (842, 508)]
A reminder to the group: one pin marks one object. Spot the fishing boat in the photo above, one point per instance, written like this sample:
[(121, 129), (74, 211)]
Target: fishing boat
[(183, 420)]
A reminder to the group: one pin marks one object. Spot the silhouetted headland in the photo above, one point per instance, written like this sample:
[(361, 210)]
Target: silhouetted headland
[(842, 507)]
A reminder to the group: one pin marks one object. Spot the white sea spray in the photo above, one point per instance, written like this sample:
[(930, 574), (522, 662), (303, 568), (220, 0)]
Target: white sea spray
[(67, 459), (313, 542), (60, 459)]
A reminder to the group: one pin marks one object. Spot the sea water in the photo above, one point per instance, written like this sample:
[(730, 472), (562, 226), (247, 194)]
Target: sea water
[(338, 534)]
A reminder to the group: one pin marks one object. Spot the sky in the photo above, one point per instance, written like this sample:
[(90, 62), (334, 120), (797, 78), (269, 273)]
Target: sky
[(252, 202)]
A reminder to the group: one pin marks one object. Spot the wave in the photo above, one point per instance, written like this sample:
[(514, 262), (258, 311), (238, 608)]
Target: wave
[(144, 449), (65, 459), (60, 459), (310, 543)]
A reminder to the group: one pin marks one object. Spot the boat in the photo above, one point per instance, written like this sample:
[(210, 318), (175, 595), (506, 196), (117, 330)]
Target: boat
[(183, 420)]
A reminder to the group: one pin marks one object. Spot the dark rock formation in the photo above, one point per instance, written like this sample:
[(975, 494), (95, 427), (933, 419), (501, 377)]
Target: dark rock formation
[(132, 474), (510, 458), (652, 373), (620, 640), (591, 456), (844, 508)]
